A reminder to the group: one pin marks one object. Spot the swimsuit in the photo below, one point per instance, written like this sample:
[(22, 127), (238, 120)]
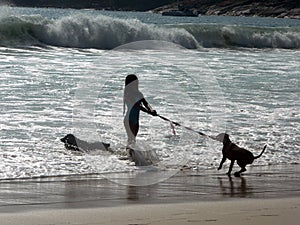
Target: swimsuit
[(133, 111)]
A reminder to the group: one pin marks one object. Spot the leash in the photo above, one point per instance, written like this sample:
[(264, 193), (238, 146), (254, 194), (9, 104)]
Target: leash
[(187, 128)]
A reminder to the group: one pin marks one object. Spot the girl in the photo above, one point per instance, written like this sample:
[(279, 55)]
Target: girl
[(135, 101)]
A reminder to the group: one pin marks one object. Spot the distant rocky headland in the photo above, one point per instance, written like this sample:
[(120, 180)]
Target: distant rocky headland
[(263, 8)]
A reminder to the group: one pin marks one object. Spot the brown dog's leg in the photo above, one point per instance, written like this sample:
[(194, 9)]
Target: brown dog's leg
[(238, 173), (230, 167), (221, 163), (242, 164)]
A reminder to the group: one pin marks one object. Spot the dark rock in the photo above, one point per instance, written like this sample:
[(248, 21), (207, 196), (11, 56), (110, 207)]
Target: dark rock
[(266, 8)]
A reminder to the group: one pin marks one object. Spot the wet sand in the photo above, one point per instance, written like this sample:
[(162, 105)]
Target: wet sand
[(256, 212), (264, 195)]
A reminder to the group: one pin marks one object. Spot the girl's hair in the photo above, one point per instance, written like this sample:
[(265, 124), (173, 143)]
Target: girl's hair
[(129, 90), (130, 78)]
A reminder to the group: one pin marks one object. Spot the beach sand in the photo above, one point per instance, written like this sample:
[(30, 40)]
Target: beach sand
[(264, 195), (258, 212)]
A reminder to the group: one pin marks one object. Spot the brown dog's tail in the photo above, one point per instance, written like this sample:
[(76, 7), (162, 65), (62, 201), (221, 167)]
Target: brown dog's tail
[(256, 157)]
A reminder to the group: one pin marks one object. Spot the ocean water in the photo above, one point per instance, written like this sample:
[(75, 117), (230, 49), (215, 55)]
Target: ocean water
[(62, 71)]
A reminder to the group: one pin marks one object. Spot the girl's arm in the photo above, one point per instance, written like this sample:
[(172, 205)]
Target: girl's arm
[(147, 108)]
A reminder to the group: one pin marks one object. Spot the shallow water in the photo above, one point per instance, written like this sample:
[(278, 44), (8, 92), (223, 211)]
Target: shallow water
[(48, 90)]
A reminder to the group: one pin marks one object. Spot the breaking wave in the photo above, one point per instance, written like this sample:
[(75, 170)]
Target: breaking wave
[(104, 32), (85, 31), (209, 35)]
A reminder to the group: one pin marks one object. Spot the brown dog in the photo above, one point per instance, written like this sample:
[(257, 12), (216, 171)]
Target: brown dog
[(233, 152)]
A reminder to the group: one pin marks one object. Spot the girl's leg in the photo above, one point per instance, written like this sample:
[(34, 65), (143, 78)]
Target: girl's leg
[(132, 131)]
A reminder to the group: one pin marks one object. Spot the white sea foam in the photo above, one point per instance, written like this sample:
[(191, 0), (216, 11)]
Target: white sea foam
[(40, 102)]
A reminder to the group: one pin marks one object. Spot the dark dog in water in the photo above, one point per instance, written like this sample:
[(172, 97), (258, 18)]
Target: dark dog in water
[(73, 143), (139, 157), (234, 153)]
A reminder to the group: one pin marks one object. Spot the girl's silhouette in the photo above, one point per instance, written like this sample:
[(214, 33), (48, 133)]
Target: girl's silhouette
[(134, 101)]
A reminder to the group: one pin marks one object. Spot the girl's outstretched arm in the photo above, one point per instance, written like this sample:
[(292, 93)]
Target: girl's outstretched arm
[(147, 108)]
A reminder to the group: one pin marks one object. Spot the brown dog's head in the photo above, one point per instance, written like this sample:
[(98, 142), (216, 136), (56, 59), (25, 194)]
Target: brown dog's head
[(223, 137)]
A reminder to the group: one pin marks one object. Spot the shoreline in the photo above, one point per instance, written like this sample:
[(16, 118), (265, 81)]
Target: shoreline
[(265, 195), (94, 191)]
